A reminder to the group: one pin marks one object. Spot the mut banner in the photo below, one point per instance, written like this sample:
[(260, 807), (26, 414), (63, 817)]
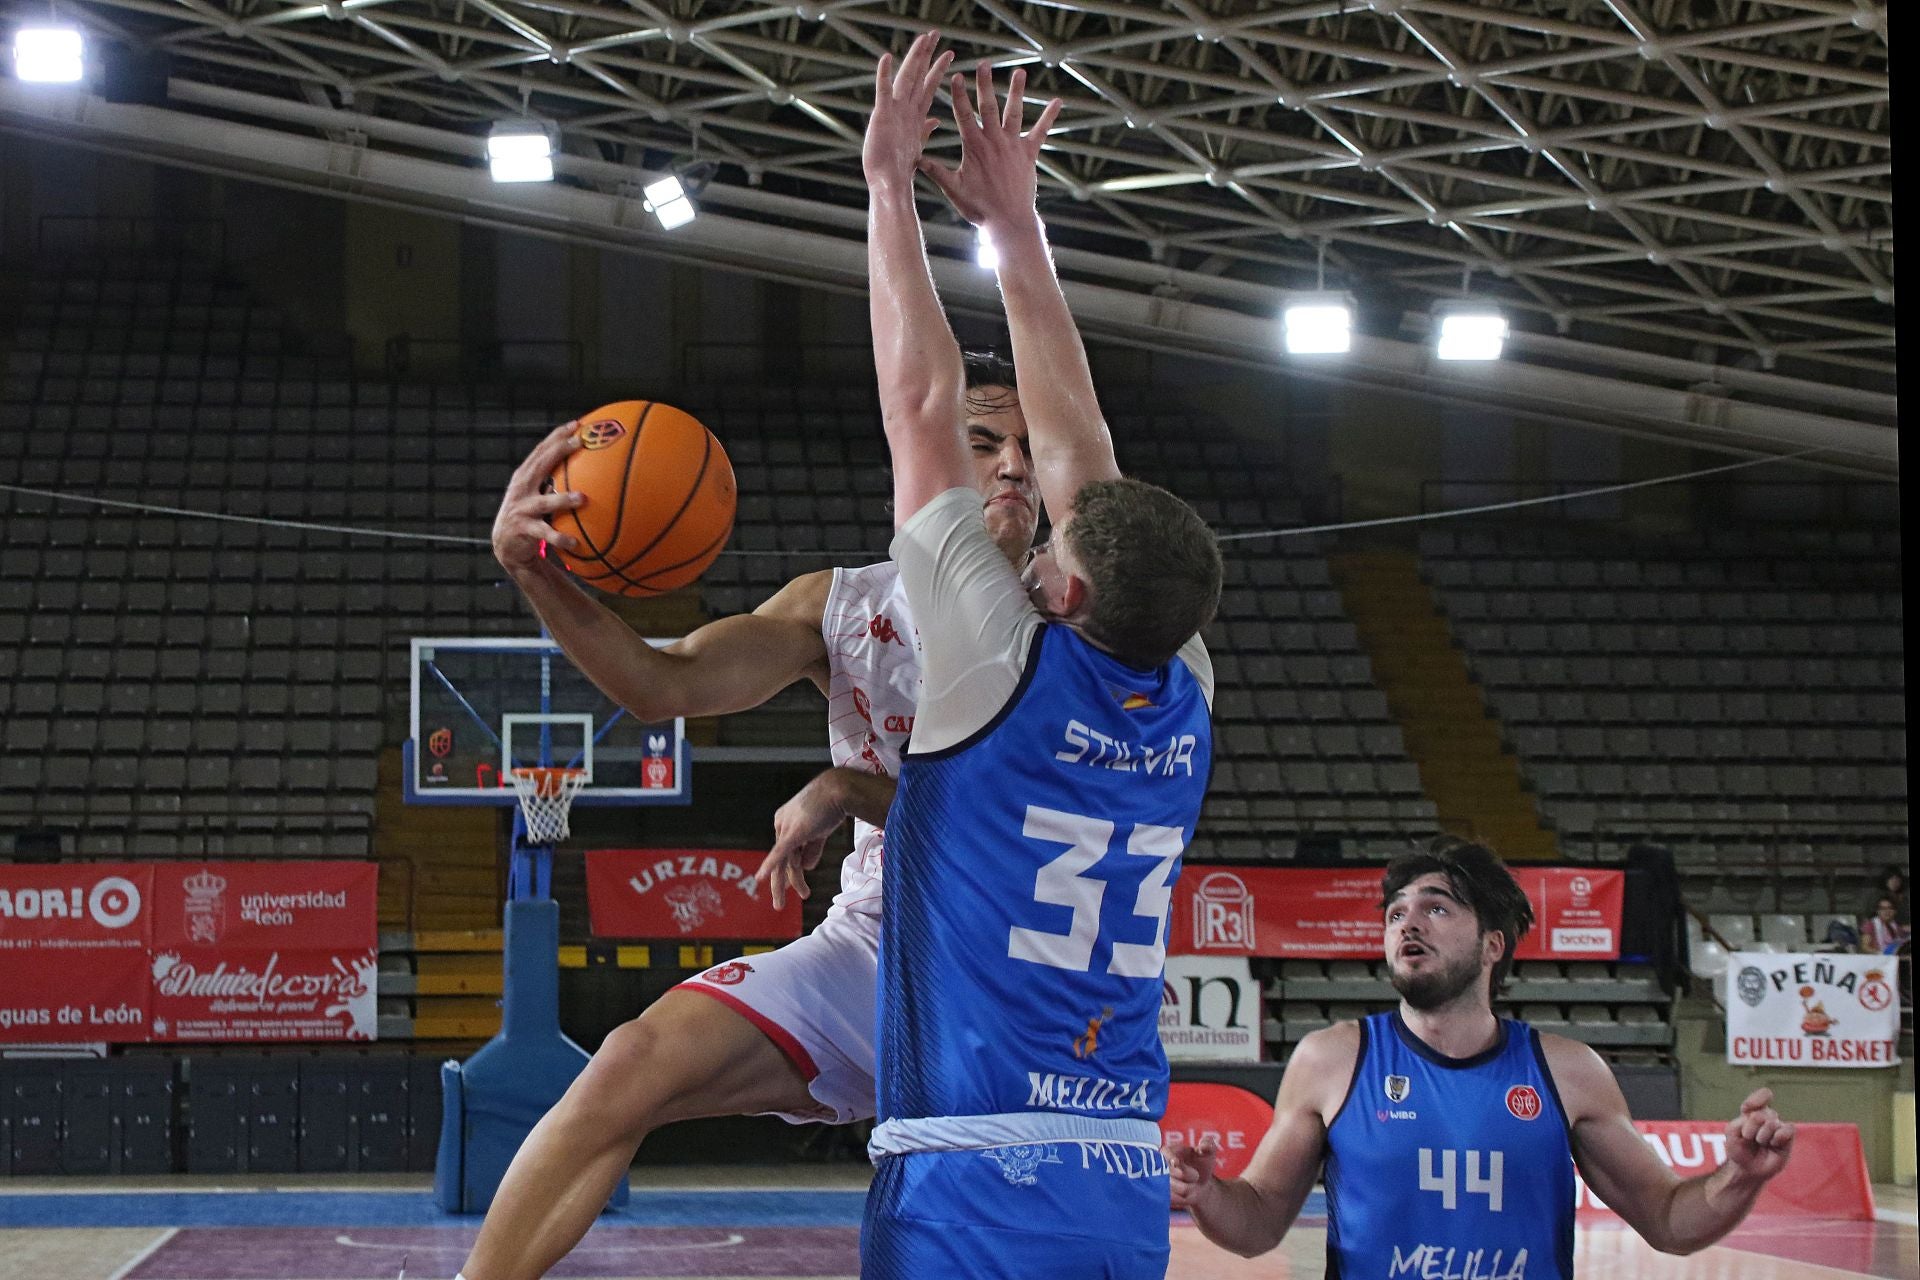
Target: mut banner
[(207, 951), (1334, 913)]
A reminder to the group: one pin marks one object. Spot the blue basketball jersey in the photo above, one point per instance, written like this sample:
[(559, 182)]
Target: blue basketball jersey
[(1030, 870), (1442, 1166)]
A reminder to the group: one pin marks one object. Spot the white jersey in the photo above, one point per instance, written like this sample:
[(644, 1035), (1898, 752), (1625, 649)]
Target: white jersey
[(873, 653)]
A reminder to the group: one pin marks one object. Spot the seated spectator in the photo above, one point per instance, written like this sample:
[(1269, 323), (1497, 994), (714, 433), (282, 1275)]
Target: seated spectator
[(1893, 884), (1882, 931)]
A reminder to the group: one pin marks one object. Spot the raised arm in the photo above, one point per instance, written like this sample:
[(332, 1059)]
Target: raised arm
[(725, 666), (1252, 1213), (922, 378), (1673, 1214), (994, 189)]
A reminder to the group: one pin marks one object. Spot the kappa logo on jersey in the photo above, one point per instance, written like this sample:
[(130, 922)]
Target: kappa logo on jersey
[(730, 974), (1397, 1088), (1085, 1045), (601, 433), (1523, 1100), (883, 630)]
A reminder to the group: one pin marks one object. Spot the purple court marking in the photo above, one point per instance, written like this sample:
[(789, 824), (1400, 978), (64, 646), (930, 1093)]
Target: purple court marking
[(375, 1253), (1870, 1248), (1884, 1250)]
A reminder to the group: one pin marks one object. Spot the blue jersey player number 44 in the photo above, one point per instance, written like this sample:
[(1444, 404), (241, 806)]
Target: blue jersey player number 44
[(1447, 1136)]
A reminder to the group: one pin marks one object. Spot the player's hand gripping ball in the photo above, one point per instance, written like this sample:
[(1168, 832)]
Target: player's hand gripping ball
[(659, 498)]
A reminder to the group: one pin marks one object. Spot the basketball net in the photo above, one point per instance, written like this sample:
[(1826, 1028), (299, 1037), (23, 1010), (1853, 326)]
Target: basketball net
[(546, 797)]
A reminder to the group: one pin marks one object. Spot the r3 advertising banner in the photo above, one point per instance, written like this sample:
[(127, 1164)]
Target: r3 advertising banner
[(684, 893), (1812, 1010), (1210, 1010), (1334, 913), (215, 951), (1826, 1178)]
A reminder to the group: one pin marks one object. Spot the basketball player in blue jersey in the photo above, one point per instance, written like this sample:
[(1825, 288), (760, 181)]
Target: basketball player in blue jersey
[(1058, 758), (1449, 1136), (789, 1033)]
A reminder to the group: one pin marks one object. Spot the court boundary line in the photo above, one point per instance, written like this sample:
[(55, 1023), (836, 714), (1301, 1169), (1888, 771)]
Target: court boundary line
[(152, 1248)]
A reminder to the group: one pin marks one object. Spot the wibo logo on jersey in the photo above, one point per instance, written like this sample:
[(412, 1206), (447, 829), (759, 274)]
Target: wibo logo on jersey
[(1091, 747)]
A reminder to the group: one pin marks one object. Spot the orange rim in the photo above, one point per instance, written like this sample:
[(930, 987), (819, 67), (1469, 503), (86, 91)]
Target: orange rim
[(547, 781)]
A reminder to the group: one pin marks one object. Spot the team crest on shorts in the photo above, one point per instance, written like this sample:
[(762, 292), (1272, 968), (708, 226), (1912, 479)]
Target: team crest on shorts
[(1021, 1165), (1397, 1088)]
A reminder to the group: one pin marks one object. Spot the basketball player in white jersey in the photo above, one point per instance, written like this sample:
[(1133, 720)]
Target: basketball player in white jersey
[(790, 1032)]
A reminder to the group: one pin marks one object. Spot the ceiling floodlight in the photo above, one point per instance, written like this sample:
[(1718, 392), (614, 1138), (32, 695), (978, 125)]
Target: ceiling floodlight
[(1469, 331), (520, 151), (983, 251), (47, 55), (667, 200), (1318, 324)]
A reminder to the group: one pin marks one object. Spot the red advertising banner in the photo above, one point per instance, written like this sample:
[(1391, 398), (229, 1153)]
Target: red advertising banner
[(132, 952), (1334, 913), (1827, 1177), (683, 893), (1235, 1119), (73, 951), (252, 951)]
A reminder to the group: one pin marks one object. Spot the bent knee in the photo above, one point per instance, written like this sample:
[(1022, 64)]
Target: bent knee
[(628, 1082)]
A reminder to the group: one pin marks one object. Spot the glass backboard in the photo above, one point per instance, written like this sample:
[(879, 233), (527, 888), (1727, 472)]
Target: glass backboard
[(484, 705)]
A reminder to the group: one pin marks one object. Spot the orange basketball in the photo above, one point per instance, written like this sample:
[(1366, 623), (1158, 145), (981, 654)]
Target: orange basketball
[(660, 498)]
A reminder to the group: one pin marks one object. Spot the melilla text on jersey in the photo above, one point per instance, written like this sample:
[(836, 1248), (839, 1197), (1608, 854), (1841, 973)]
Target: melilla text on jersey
[(1084, 1093), (1089, 746)]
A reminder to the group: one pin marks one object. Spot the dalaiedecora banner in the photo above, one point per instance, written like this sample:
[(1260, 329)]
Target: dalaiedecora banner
[(1334, 913), (1812, 1010), (684, 893), (208, 951)]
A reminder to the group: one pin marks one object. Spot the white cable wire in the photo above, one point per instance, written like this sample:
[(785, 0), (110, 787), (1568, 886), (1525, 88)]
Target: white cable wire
[(157, 509), (403, 535), (1518, 502)]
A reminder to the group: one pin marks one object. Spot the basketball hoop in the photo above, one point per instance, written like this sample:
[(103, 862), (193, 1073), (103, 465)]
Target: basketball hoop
[(546, 796)]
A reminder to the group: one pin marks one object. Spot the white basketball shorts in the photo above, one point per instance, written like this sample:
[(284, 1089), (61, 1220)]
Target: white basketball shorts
[(814, 998)]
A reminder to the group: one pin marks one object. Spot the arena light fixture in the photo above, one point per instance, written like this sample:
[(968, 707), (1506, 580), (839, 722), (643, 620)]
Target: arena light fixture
[(1469, 331), (983, 251), (667, 200), (49, 54), (1317, 324), (520, 151)]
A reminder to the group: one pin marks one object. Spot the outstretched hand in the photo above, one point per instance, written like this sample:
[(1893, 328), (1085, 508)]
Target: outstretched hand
[(1759, 1142), (520, 526), (900, 125), (996, 181), (800, 830), (1190, 1169)]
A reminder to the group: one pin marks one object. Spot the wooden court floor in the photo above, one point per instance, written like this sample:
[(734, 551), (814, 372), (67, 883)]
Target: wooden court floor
[(715, 1223)]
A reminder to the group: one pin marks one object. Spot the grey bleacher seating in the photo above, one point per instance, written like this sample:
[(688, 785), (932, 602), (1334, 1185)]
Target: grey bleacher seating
[(1738, 689)]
